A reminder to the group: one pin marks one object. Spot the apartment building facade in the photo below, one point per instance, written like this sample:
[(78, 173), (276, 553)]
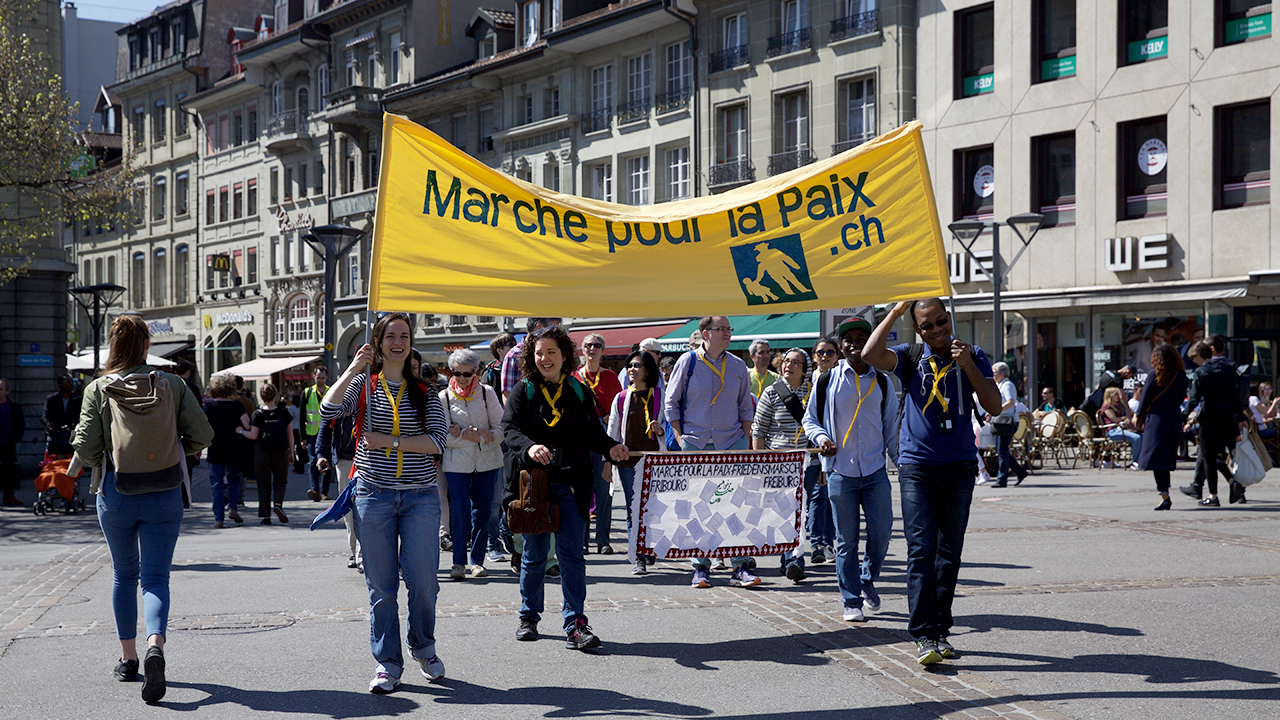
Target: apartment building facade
[(1141, 131)]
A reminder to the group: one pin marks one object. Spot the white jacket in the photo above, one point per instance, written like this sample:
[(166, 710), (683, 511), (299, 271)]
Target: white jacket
[(484, 412)]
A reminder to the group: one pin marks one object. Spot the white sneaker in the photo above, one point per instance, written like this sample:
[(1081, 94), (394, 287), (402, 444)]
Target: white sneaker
[(638, 568), (383, 683), (432, 668), (983, 477), (854, 614), (719, 564), (478, 571), (458, 572)]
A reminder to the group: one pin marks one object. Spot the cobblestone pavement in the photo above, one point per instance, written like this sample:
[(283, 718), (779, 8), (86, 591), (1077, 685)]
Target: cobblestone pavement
[(879, 652)]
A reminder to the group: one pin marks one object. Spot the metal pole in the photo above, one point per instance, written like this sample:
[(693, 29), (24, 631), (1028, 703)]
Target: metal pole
[(997, 340), (330, 260), (97, 331)]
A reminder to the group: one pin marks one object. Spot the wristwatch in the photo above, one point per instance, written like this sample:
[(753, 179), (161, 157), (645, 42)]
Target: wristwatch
[(395, 443)]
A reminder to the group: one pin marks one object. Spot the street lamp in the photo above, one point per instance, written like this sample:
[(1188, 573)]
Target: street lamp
[(104, 296), (1025, 226), (331, 242)]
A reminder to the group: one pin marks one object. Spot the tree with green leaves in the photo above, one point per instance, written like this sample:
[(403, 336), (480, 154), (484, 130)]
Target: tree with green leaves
[(45, 176)]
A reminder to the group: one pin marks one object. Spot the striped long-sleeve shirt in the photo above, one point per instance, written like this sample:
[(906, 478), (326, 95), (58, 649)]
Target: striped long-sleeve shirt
[(379, 466)]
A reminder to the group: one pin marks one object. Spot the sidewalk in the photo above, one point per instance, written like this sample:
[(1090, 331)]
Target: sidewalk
[(1076, 601)]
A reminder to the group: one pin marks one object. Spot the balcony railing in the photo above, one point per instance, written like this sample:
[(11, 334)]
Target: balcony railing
[(837, 148), (359, 96), (733, 172), (727, 58), (597, 120), (669, 102), (855, 25), (782, 162), (291, 122), (634, 111), (788, 42)]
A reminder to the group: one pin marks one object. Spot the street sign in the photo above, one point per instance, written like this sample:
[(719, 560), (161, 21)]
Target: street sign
[(35, 361), (33, 347)]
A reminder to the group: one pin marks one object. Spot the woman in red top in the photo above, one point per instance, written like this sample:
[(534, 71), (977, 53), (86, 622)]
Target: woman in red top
[(605, 386)]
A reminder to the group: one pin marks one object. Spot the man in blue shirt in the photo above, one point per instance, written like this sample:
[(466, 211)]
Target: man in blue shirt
[(709, 405), (938, 459), (855, 428)]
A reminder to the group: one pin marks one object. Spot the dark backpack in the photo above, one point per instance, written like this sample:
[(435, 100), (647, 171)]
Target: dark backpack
[(274, 434), (492, 376)]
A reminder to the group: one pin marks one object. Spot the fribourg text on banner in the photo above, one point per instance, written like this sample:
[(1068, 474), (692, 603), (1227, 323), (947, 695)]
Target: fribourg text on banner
[(717, 505), (454, 236)]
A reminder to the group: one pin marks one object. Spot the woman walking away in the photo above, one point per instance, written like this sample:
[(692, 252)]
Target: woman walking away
[(472, 459), (551, 425), (137, 425), (229, 420), (396, 504), (636, 418), (1160, 417), (272, 428)]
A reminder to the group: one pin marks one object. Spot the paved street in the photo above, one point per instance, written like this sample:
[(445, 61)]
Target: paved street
[(1077, 601)]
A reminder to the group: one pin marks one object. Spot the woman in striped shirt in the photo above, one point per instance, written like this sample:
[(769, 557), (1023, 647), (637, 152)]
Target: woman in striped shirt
[(396, 503)]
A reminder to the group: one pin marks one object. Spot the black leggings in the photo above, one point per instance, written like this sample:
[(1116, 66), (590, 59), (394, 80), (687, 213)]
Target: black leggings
[(272, 469), (1162, 481)]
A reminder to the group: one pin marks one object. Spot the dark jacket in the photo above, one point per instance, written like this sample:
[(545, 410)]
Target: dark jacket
[(577, 435), (1225, 396), (58, 423), (1161, 411), (17, 427)]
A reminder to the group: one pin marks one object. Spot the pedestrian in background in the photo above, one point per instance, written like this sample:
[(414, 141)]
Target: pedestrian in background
[(227, 418), (1160, 417), (604, 386), (12, 427), (61, 413), (635, 418), (271, 428), (311, 397), (777, 426), (141, 529)]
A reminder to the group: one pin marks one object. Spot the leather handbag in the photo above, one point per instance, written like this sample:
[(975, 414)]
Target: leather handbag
[(534, 511)]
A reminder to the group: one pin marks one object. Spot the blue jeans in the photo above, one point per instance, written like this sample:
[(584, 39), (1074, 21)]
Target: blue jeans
[(399, 533), (627, 476), (470, 505), (141, 532), (604, 503), (817, 512), (1007, 463), (320, 481), (226, 484), (1121, 435), (497, 523), (935, 513), (705, 563), (871, 494), (573, 565)]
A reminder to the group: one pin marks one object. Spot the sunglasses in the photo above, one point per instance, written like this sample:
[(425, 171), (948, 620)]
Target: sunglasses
[(926, 327), (636, 366), (824, 352), (464, 374), (592, 346)]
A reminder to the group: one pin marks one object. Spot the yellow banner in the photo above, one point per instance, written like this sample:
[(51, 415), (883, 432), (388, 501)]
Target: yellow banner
[(453, 236)]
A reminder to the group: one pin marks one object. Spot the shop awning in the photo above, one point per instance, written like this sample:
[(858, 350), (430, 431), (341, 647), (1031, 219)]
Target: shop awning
[(619, 341), (484, 346), (169, 349), (1101, 296), (84, 360), (264, 367), (782, 329)]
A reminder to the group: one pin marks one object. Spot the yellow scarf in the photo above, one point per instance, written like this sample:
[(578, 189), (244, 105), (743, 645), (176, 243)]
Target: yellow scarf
[(395, 418)]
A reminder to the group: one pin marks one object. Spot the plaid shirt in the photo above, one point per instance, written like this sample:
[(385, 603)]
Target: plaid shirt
[(511, 367)]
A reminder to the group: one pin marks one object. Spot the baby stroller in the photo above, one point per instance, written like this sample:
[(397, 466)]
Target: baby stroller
[(57, 490)]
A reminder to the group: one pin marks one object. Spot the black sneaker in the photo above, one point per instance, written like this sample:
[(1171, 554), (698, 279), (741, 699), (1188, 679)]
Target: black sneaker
[(553, 571), (528, 630), (1210, 502), (515, 563), (1191, 491), (1237, 492), (946, 649), (153, 686), (927, 651), (127, 670), (580, 637), (795, 573)]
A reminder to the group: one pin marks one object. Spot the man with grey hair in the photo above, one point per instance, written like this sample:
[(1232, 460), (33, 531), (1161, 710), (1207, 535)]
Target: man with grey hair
[(605, 386), (760, 375), (1004, 435)]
